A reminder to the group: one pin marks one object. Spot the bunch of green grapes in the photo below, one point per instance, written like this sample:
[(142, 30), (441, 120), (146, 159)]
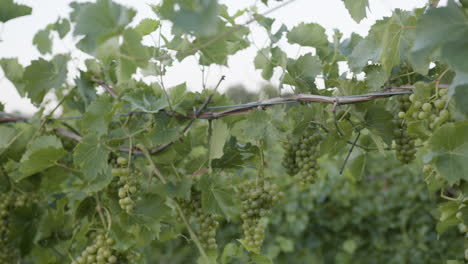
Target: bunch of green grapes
[(9, 201), (289, 158), (127, 185), (206, 224), (257, 201), (99, 252), (404, 104), (307, 153), (405, 143), (433, 110)]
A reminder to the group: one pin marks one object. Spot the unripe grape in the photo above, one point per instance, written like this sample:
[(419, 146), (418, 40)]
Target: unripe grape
[(426, 107)]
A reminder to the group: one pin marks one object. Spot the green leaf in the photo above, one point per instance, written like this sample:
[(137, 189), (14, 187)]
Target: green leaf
[(98, 116), (260, 259), (42, 75), (145, 100), (357, 8), (231, 251), (432, 38), (235, 155), (302, 72), (43, 42), (164, 131), (133, 54), (7, 135), (217, 197), (219, 136), (200, 18), (312, 35), (391, 44), (147, 26), (98, 21), (11, 10), (460, 79), (62, 26), (180, 189), (91, 155), (14, 72), (461, 98), (358, 166), (379, 121), (41, 154), (447, 216), (449, 148), (218, 51), (268, 59), (375, 77), (151, 207), (367, 49)]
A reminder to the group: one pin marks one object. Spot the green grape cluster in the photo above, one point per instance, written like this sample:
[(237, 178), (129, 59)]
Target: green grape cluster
[(8, 201), (257, 201), (289, 158), (307, 153), (99, 252), (433, 111), (127, 185), (405, 143), (206, 223)]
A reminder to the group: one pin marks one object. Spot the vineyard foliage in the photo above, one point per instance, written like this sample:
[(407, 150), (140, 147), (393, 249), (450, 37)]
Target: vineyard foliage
[(121, 170)]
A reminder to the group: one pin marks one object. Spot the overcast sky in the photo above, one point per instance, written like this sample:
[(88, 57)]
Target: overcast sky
[(17, 35)]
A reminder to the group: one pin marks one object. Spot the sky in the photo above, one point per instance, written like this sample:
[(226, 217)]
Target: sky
[(16, 40)]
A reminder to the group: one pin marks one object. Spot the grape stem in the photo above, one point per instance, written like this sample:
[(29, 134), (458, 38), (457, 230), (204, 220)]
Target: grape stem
[(99, 210)]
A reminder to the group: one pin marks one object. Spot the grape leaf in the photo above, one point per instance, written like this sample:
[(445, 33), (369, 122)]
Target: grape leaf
[(217, 197), (201, 19), (231, 251), (98, 21), (163, 132), (312, 35), (358, 166), (357, 8), (461, 98), (432, 37), (217, 52), (218, 138), (62, 26), (43, 75), (98, 116), (151, 207), (14, 72), (460, 79), (43, 42), (146, 26), (133, 54), (268, 59), (235, 155), (42, 153), (145, 100), (260, 259), (449, 150), (7, 134), (379, 120), (302, 72), (90, 155), (11, 10)]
